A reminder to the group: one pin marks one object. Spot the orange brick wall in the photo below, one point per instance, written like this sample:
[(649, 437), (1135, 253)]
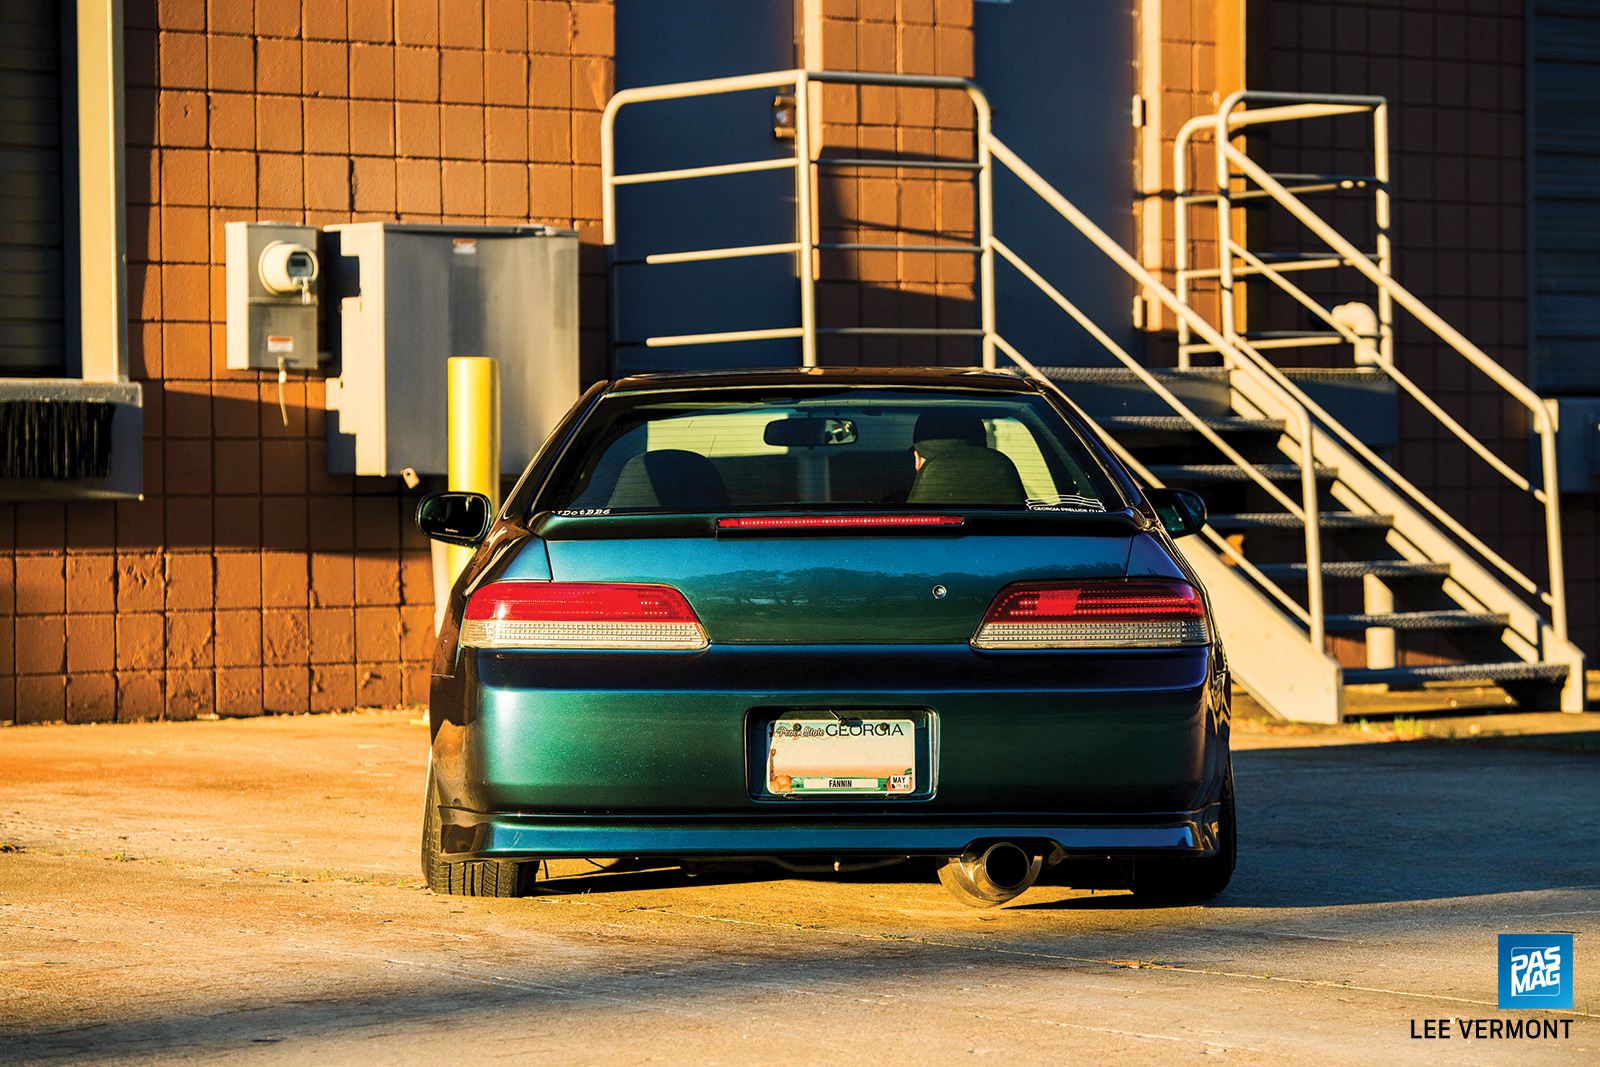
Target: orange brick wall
[(249, 578), (883, 206)]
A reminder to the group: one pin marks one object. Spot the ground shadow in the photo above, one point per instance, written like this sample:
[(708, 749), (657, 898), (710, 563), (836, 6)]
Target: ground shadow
[(1342, 825)]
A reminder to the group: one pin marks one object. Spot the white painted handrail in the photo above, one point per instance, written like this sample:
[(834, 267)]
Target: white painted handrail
[(805, 244), (988, 148), (1231, 162), (1119, 255)]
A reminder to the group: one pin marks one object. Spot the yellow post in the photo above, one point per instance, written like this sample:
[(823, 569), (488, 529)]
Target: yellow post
[(474, 436)]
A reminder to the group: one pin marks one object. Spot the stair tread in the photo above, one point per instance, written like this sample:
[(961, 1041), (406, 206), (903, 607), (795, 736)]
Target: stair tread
[(1334, 374), (1179, 424), (1512, 671), (1228, 472), (1420, 620), (1123, 374), (1335, 520), (1391, 568)]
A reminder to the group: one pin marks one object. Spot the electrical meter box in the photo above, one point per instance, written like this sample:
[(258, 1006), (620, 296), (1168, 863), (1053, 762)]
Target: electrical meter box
[(272, 287), (410, 297)]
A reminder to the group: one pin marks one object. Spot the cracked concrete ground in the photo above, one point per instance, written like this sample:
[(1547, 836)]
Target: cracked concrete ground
[(246, 892)]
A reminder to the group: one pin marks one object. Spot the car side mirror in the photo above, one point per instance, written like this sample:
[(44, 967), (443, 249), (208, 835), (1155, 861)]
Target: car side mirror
[(1182, 512), (454, 518)]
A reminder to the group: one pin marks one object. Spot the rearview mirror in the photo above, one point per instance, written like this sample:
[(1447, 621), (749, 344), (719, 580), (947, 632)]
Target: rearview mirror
[(455, 518), (809, 433), (1182, 512)]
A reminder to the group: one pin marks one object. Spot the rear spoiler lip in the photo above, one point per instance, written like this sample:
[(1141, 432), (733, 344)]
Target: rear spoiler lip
[(553, 526)]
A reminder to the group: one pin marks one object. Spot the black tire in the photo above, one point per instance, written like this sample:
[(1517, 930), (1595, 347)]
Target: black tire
[(469, 878), (1173, 882)]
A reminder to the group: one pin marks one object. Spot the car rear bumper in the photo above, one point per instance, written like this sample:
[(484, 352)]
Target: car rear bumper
[(474, 836), (548, 740)]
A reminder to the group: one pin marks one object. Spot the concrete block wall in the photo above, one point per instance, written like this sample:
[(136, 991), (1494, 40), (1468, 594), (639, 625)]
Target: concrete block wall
[(249, 579), (882, 206)]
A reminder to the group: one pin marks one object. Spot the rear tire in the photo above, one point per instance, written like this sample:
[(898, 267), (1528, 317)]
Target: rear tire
[(469, 878), (1167, 882)]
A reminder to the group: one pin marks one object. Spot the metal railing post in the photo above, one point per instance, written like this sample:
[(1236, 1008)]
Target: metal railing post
[(980, 106), (1552, 518), (1380, 155), (1224, 235), (805, 189)]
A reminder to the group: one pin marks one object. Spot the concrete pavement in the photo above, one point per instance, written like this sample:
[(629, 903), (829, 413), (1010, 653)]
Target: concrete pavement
[(246, 891)]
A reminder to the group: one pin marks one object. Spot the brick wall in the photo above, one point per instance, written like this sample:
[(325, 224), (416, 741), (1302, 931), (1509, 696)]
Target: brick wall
[(249, 578), (883, 206)]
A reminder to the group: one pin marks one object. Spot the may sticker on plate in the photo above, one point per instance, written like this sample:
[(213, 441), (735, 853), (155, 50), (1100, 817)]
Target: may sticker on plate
[(842, 756)]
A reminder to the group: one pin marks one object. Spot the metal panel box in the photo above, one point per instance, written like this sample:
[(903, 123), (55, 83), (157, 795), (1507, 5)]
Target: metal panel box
[(411, 297), (268, 327)]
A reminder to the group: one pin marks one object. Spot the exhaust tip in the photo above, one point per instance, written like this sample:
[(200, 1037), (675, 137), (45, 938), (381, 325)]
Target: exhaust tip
[(1007, 866)]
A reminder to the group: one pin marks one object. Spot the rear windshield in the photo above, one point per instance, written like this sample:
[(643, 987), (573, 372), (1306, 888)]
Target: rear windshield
[(865, 449)]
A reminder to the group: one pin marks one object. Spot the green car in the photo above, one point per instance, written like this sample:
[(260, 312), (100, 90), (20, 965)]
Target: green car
[(830, 619)]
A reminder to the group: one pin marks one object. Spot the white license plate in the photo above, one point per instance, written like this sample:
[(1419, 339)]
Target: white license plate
[(848, 755)]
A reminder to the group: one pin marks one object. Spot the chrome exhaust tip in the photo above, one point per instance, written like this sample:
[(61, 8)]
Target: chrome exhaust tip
[(1008, 867)]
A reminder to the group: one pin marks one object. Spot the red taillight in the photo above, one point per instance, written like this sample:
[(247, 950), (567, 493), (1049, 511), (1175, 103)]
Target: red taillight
[(580, 615), (837, 522), (1109, 614)]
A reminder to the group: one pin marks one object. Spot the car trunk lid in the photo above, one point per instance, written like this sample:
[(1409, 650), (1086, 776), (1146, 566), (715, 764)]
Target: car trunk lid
[(819, 585)]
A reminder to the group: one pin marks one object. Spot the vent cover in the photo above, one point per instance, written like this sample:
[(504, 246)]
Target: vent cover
[(59, 440)]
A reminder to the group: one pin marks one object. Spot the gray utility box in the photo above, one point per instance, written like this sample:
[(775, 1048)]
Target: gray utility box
[(411, 297), (271, 291)]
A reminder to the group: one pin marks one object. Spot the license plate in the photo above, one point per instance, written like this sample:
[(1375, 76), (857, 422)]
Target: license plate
[(806, 756)]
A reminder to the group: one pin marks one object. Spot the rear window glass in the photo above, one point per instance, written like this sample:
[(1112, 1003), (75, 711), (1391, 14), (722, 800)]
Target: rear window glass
[(769, 449)]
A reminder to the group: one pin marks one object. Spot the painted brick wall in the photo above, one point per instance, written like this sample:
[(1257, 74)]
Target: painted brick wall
[(249, 578), (881, 206)]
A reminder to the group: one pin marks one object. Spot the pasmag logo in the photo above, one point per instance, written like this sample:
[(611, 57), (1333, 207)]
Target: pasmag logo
[(1536, 971)]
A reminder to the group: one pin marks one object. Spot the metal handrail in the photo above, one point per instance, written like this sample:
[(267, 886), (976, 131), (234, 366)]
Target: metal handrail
[(1231, 162), (1395, 477), (1296, 410), (1345, 335), (806, 243), (1292, 107), (988, 148)]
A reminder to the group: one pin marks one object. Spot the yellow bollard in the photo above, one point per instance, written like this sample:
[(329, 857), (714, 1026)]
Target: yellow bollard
[(474, 436)]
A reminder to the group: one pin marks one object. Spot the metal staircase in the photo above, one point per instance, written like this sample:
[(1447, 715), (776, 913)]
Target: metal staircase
[(1283, 476)]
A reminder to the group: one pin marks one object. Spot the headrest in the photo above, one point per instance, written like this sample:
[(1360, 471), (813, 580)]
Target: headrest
[(670, 478), (950, 426)]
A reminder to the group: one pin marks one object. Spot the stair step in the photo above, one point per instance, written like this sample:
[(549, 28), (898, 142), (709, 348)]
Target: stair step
[(1179, 424), (1282, 520), (1123, 374), (1369, 376), (1118, 391), (1383, 568), (1420, 620), (1227, 472), (1514, 671)]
